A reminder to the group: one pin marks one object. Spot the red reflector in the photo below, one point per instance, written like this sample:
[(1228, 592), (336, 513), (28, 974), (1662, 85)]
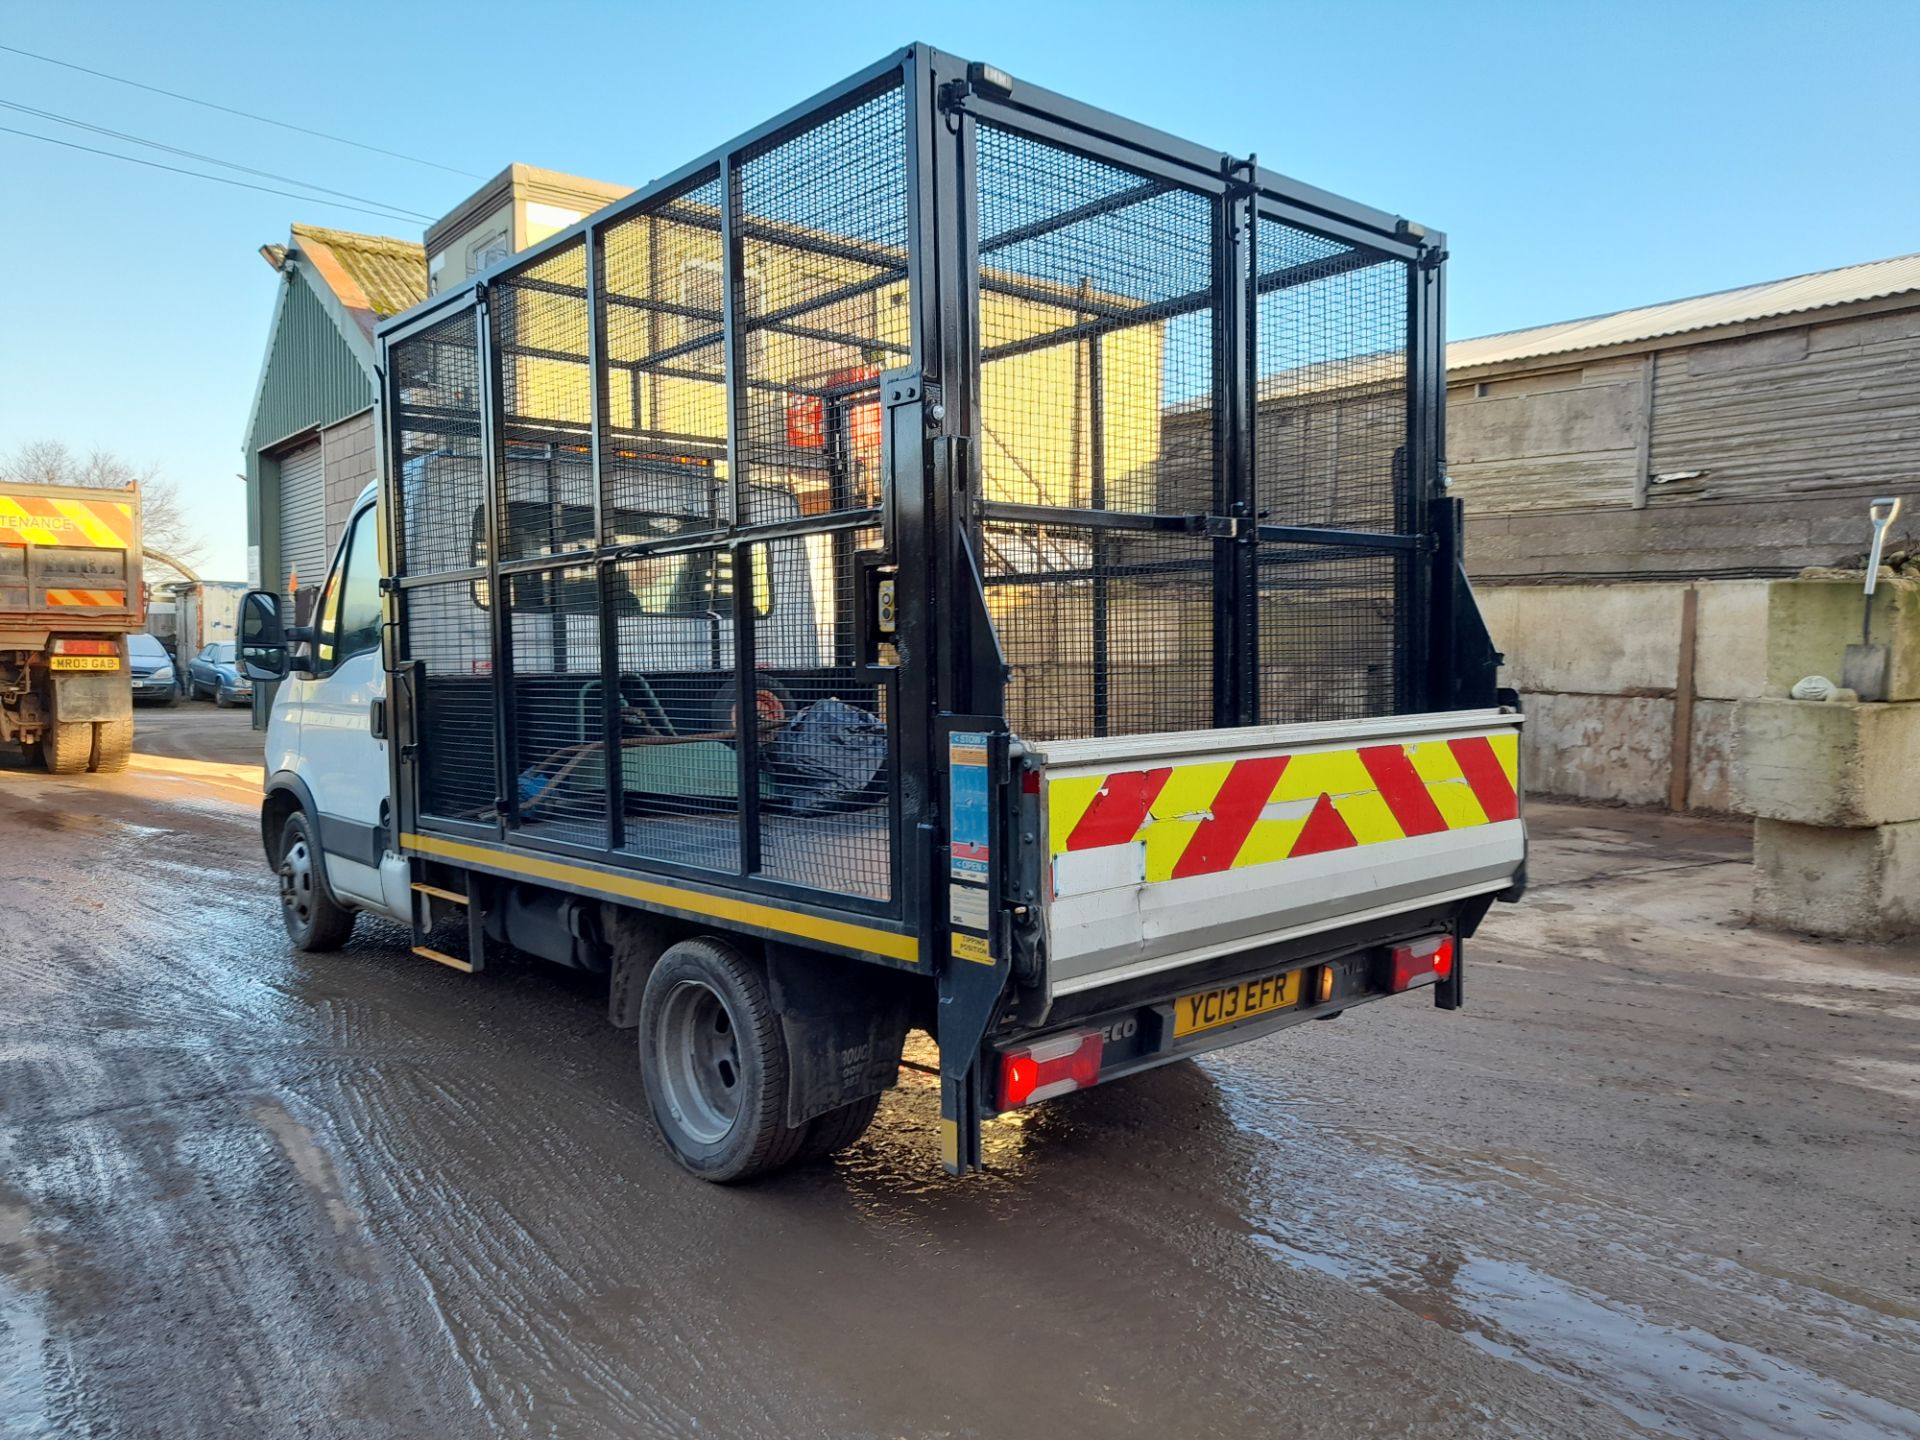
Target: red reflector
[(1419, 962), (86, 647), (1050, 1067), (1030, 783)]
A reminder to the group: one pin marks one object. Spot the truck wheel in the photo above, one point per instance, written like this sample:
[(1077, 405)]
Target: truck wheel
[(834, 1131), (315, 921), (66, 748), (112, 745), (715, 1063)]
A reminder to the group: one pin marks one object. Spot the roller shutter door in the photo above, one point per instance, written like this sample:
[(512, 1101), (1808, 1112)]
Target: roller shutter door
[(303, 517)]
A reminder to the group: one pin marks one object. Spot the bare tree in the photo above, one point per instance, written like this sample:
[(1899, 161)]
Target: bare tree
[(164, 520)]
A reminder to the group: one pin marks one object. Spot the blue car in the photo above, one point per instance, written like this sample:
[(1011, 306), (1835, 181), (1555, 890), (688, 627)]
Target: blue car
[(214, 674), (150, 668)]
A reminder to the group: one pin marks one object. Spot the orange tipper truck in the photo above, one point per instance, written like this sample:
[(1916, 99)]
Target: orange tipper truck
[(70, 594)]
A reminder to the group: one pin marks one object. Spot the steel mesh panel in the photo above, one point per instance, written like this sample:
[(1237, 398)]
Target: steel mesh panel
[(436, 380), (1105, 632), (539, 324), (821, 757), (665, 379), (1096, 329), (1328, 631), (446, 632), (558, 705), (823, 303), (680, 773), (1331, 385)]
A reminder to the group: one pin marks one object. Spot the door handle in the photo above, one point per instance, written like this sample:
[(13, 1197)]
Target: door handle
[(377, 718)]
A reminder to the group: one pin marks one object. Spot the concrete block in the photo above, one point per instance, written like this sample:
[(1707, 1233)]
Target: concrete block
[(1821, 763), (1710, 766), (1730, 640), (1588, 639), (1810, 623), (1597, 747), (1851, 884)]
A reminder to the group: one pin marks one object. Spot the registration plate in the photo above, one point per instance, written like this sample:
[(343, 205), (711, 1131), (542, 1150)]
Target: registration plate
[(1212, 1008), (83, 662)]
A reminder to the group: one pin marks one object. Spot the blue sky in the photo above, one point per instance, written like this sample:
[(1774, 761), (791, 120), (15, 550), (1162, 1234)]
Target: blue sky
[(1581, 157)]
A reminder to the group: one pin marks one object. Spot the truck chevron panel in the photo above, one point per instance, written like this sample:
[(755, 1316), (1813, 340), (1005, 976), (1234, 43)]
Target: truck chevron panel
[(83, 524), (1210, 816)]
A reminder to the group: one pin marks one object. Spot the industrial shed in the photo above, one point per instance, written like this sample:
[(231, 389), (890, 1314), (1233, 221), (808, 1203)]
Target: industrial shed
[(310, 442), (1632, 480)]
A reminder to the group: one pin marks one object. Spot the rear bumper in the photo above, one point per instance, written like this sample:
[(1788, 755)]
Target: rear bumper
[(1141, 1033)]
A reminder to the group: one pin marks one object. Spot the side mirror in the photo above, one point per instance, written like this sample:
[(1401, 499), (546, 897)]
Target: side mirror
[(263, 641)]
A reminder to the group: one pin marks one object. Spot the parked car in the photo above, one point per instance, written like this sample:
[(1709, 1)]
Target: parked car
[(213, 673), (151, 669)]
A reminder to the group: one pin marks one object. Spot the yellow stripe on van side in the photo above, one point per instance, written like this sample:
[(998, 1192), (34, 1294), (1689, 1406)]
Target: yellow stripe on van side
[(718, 907)]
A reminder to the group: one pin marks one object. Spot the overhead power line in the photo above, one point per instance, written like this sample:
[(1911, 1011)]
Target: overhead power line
[(209, 159), (199, 175), (243, 114)]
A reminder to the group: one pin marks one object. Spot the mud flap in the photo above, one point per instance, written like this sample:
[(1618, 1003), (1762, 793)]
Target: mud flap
[(972, 948)]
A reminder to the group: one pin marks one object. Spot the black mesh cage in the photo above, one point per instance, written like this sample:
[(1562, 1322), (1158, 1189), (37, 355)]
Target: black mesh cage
[(1330, 449), (1138, 570), (656, 483), (651, 558), (435, 384)]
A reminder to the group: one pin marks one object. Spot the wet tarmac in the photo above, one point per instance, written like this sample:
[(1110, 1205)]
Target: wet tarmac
[(1658, 1179)]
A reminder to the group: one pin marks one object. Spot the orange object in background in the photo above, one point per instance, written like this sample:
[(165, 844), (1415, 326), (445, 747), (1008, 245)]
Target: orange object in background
[(807, 422)]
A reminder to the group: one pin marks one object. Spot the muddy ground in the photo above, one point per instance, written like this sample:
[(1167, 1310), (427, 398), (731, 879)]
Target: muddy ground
[(1659, 1178)]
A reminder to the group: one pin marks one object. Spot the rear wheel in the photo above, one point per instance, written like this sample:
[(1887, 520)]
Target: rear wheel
[(834, 1131), (314, 920), (112, 745), (715, 1063), (66, 748)]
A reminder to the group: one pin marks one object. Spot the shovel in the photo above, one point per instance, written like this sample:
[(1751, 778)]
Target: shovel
[(1865, 669)]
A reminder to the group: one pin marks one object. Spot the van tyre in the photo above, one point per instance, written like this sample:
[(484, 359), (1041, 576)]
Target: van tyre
[(834, 1131), (315, 921), (112, 745), (66, 748), (715, 1063)]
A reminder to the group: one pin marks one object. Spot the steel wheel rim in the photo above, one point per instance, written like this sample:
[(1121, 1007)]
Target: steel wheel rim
[(698, 1046), (296, 881)]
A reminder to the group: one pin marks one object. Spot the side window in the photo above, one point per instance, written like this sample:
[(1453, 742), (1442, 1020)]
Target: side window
[(350, 609)]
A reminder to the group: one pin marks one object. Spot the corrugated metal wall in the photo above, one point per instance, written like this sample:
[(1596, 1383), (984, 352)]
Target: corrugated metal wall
[(312, 377)]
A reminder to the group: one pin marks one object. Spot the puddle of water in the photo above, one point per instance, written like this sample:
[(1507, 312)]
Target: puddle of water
[(23, 1378), (1659, 1376), (1667, 1378), (1899, 1078)]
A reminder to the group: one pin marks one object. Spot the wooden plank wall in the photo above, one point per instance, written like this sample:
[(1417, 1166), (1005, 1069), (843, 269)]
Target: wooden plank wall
[(1794, 428)]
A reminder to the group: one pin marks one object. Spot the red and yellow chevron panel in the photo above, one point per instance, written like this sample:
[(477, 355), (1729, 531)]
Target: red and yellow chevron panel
[(90, 599), (81, 524), (1209, 816)]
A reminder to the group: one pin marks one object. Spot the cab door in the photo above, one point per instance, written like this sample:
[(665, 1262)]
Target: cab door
[(343, 761)]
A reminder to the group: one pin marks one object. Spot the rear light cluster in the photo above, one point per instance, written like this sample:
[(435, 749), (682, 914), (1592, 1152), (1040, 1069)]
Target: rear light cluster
[(1419, 962), (1050, 1067), (86, 647)]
